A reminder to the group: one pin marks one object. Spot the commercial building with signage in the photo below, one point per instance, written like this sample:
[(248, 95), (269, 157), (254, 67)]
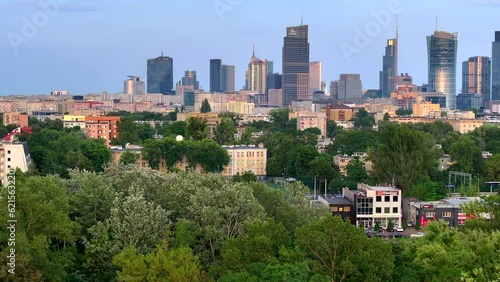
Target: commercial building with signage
[(375, 204)]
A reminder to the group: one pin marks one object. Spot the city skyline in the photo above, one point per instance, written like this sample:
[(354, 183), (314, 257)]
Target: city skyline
[(124, 46)]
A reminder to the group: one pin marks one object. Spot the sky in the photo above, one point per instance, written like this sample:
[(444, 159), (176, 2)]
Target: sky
[(93, 45)]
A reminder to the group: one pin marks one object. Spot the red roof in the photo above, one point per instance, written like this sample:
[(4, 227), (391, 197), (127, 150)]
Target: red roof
[(17, 131)]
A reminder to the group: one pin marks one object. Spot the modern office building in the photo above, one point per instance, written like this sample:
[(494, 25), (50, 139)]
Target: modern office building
[(389, 72), (215, 75), (495, 68), (273, 81), (270, 67), (228, 78), (315, 77), (469, 101), (275, 98), (134, 86), (257, 75), (161, 75), (295, 64), (189, 98), (350, 88), (442, 60), (189, 79), (476, 77), (334, 90)]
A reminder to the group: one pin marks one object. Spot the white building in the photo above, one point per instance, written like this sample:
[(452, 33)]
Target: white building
[(375, 204), (13, 155)]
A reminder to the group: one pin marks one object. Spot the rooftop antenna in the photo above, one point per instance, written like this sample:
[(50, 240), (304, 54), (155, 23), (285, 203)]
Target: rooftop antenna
[(253, 50), (397, 27), (162, 49), (301, 19), (436, 23)]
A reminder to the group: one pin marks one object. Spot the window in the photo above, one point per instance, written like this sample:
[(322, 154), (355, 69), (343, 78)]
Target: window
[(430, 214), (387, 210), (8, 152), (395, 210), (446, 214), (378, 210), (335, 209), (341, 209), (387, 198), (347, 209), (379, 198), (394, 198), (8, 159)]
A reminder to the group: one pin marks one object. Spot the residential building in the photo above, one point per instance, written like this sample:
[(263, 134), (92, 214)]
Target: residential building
[(476, 77), (462, 125), (314, 76), (257, 75), (308, 119), (161, 75), (215, 75), (375, 204), (71, 121), (102, 127), (341, 162), (246, 158), (495, 68), (241, 108), (228, 78), (350, 88), (13, 155), (295, 64), (423, 109), (134, 86), (189, 79), (388, 75), (339, 112), (16, 118), (442, 60)]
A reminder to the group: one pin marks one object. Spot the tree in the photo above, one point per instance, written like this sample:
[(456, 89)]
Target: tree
[(403, 156), (205, 106), (279, 118), (128, 132), (404, 112), (352, 141), (224, 131), (387, 117), (247, 176), (492, 168), (363, 120), (332, 129), (467, 154), (197, 128), (128, 157), (356, 173), (322, 168)]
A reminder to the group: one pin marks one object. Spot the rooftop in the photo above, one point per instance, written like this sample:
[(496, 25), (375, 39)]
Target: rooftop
[(336, 201)]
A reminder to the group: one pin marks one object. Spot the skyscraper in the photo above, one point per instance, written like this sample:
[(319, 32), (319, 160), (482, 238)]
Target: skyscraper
[(495, 68), (295, 64), (228, 78), (442, 59), (161, 75), (189, 79), (389, 68), (215, 75), (314, 77), (270, 67), (257, 74), (476, 77), (350, 88), (273, 81), (134, 86)]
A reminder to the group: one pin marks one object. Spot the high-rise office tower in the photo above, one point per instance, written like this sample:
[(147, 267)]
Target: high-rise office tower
[(334, 90), (256, 75), (295, 65), (161, 75), (389, 68), (134, 86), (273, 81), (228, 78), (442, 59), (270, 67), (476, 77), (350, 88), (189, 79), (314, 77), (215, 75), (495, 68)]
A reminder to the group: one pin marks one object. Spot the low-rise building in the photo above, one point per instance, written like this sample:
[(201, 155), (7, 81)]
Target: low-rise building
[(375, 204), (245, 159), (102, 127), (306, 119), (13, 155), (423, 109), (340, 207), (71, 121)]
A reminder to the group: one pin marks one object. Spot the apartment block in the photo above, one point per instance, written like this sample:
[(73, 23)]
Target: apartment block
[(245, 158), (423, 109), (6, 106), (103, 127), (13, 155), (307, 119), (71, 121), (241, 108), (16, 118)]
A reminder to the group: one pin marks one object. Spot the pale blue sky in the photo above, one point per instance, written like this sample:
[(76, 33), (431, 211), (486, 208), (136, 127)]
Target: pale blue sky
[(91, 46)]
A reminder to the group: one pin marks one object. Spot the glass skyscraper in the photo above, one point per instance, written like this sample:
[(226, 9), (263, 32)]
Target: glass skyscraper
[(442, 59), (389, 68), (495, 68), (189, 79), (296, 65), (215, 75), (161, 75), (228, 78), (476, 77)]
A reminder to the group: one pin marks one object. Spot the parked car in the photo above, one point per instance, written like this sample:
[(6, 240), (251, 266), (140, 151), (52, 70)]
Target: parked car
[(409, 224), (397, 235), (398, 229), (370, 233), (418, 234)]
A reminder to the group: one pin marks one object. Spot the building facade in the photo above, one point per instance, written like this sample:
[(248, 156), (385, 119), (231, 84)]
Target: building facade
[(189, 79), (134, 86), (476, 77), (161, 75), (13, 155), (308, 119), (15, 118), (315, 77), (71, 121), (295, 63), (228, 78), (495, 68), (245, 159), (389, 72), (350, 88), (442, 61), (257, 74), (215, 75), (102, 127)]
